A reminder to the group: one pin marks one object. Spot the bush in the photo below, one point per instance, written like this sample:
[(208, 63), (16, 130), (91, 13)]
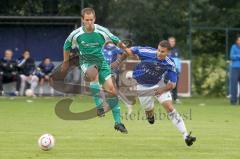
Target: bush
[(209, 75)]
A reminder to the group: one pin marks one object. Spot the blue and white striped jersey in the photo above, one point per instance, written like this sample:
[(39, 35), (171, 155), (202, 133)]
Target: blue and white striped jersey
[(151, 69), (110, 53)]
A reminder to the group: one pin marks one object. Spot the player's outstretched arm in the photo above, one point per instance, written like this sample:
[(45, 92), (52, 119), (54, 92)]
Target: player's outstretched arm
[(125, 48), (121, 57), (65, 61), (66, 50), (169, 86)]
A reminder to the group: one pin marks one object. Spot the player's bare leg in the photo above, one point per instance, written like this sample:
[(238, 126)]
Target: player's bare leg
[(178, 122)]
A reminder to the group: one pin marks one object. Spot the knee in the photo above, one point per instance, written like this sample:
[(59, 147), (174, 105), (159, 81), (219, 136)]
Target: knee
[(170, 109), (91, 74), (35, 79), (168, 106), (41, 81), (23, 78), (112, 89)]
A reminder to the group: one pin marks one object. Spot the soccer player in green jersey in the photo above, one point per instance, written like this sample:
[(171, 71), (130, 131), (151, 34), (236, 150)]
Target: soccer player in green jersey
[(89, 39)]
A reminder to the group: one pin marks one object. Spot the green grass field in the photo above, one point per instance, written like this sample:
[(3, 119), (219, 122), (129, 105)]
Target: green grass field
[(215, 123)]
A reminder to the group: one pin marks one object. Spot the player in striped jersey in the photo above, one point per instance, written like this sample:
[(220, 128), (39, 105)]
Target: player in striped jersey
[(157, 72), (89, 39)]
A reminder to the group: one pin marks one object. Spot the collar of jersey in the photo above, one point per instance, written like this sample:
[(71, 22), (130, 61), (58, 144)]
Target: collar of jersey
[(84, 30)]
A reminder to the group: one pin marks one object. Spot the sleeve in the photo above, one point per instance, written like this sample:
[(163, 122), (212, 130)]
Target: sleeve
[(40, 65), (177, 62), (172, 75), (180, 65), (53, 66), (178, 53), (112, 37), (118, 51), (135, 50), (68, 43), (234, 54), (21, 62)]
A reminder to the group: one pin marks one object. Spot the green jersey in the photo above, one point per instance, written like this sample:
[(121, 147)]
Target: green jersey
[(90, 44)]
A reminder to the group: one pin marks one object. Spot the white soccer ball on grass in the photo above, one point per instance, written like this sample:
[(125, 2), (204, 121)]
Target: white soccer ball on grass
[(46, 142), (29, 93)]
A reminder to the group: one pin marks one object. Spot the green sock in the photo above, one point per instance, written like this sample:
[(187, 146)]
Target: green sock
[(95, 89), (113, 102)]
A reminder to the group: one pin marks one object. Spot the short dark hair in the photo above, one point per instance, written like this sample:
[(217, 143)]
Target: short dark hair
[(45, 58), (237, 37), (171, 37), (8, 50), (25, 50), (87, 11), (165, 44)]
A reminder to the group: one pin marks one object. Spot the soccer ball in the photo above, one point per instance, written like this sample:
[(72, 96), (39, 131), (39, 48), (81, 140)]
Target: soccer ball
[(29, 93), (46, 142)]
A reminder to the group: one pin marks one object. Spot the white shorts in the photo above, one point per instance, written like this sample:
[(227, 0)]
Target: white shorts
[(147, 102), (24, 78)]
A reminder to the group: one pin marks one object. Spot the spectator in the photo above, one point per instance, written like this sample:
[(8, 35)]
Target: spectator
[(27, 72), (175, 55), (45, 69), (74, 72), (228, 79), (235, 70), (73, 76), (9, 71)]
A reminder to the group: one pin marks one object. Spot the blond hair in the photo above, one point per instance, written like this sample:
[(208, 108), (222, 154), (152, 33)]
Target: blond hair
[(87, 11)]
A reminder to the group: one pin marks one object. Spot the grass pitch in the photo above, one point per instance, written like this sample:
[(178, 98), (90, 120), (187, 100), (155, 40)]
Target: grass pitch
[(22, 120)]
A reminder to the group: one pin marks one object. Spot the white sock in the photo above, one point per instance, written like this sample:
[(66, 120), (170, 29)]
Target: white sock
[(52, 91), (22, 88), (40, 90), (34, 83), (178, 122)]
